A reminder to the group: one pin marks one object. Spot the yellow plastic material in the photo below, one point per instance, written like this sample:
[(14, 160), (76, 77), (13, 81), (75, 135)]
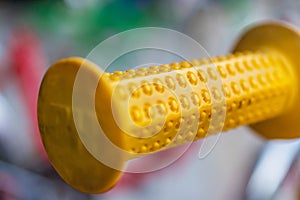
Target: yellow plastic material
[(163, 99), (70, 158), (285, 40), (150, 109)]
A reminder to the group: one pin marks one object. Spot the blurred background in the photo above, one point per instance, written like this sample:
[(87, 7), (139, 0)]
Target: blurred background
[(34, 34)]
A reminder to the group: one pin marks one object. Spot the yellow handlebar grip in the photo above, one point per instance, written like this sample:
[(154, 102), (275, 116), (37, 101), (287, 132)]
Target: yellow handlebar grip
[(150, 109), (175, 103)]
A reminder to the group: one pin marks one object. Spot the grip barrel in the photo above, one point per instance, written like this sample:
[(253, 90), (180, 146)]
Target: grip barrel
[(181, 102)]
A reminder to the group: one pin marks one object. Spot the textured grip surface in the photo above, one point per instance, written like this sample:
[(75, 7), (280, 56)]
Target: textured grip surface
[(168, 105)]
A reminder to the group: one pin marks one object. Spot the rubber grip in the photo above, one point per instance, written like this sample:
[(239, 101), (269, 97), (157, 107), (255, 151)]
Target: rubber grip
[(169, 105)]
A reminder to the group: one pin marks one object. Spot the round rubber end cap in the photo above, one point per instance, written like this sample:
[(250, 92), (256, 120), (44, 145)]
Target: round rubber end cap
[(65, 149), (284, 39)]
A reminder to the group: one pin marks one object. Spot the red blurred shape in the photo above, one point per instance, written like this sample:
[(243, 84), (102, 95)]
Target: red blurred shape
[(28, 61)]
